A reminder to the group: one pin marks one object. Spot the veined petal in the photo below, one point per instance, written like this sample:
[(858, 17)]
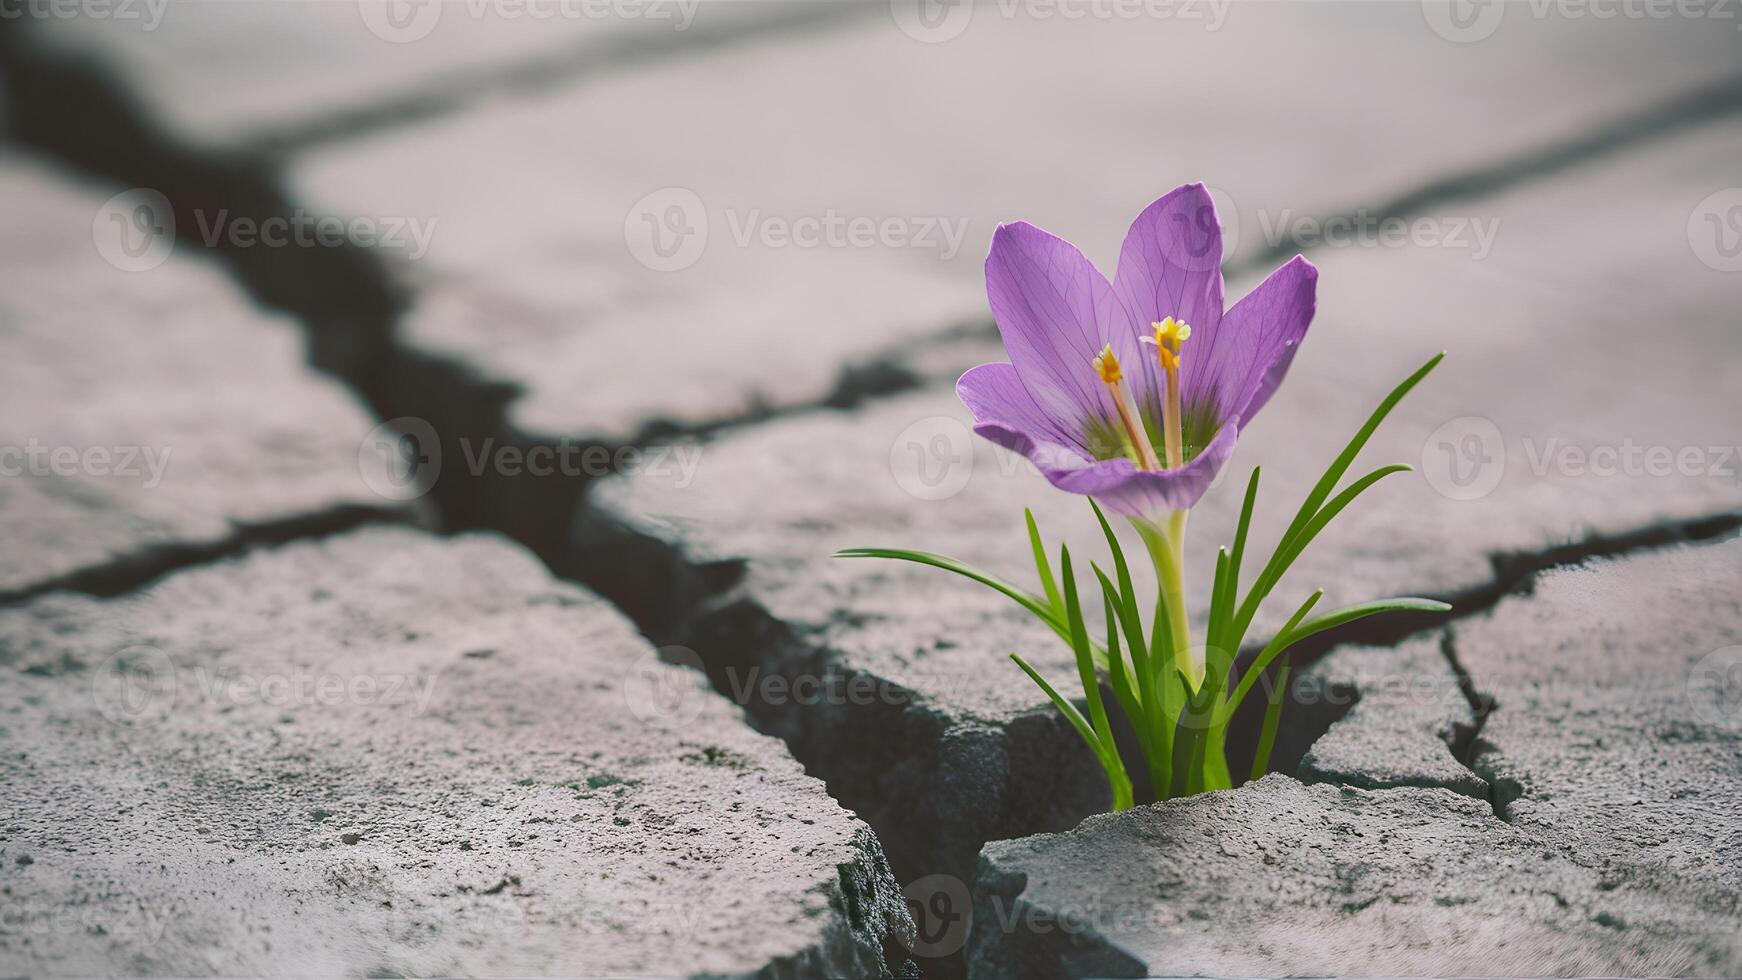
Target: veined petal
[(1241, 364), (1055, 311), (1007, 414), (1171, 265), (1148, 494)]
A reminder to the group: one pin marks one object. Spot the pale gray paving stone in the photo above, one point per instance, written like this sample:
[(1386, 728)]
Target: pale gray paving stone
[(521, 788), (226, 76), (1617, 730), (1406, 714), (1281, 879), (174, 362), (1548, 339), (1073, 126)]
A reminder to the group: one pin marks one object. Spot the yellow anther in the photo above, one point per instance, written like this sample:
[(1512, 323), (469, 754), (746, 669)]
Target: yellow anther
[(1169, 334), (1107, 366)]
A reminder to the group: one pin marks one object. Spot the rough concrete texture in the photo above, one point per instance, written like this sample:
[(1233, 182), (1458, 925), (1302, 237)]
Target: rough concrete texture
[(907, 472), (276, 74), (525, 279), (1403, 719), (1617, 728), (387, 754), (151, 412), (1277, 878)]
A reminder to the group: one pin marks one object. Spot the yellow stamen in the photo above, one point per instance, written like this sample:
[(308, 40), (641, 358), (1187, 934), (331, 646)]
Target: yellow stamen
[(1136, 443), (1107, 366), (1170, 336)]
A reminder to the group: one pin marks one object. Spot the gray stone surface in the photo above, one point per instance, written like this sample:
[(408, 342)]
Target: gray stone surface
[(1617, 730), (1277, 878), (1616, 721), (230, 76), (1405, 718), (149, 412), (530, 282), (1548, 343), (389, 754)]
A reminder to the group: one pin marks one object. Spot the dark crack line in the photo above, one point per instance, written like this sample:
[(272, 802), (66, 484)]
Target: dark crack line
[(140, 569), (345, 299), (1661, 120), (1515, 573), (600, 56)]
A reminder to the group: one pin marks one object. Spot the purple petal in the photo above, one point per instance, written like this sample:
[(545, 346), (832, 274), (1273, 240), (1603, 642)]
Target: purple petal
[(1055, 310), (1171, 265), (1147, 494), (1238, 367), (1007, 414)]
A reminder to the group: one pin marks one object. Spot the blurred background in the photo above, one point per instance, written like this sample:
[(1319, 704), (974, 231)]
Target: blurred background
[(671, 294)]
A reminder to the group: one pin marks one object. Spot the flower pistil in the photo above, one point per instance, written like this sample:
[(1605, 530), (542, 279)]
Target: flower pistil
[(1170, 335), (1137, 444)]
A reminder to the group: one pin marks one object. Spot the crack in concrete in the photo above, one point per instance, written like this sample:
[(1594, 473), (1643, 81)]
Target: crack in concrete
[(1665, 118), (78, 113), (141, 569), (1515, 573), (529, 76)]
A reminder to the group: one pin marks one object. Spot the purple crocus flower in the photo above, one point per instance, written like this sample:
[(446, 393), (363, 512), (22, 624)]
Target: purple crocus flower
[(1142, 429)]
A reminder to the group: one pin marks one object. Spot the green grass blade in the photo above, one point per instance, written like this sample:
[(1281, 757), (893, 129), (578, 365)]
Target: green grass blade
[(1277, 644), (1127, 603), (1292, 548), (1310, 507), (1053, 601), (1245, 525), (1066, 708), (1349, 614), (1226, 634), (1346, 458), (1219, 602), (1115, 662), (1272, 720), (1027, 600), (1296, 630), (1080, 646), (1330, 511), (1116, 673)]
